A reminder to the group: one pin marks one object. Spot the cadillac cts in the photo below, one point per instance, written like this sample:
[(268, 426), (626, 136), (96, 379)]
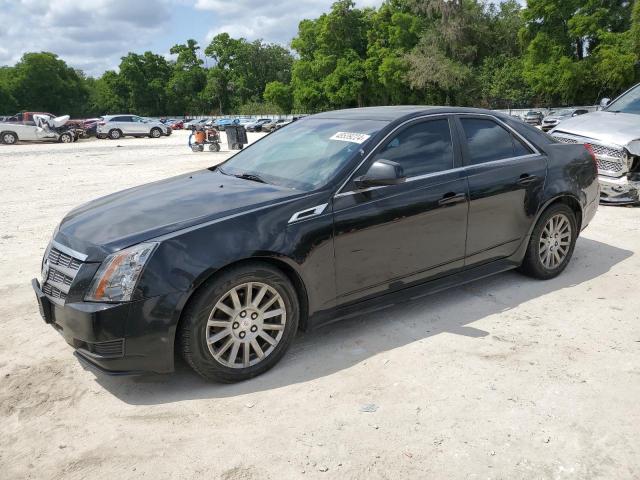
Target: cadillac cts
[(332, 215)]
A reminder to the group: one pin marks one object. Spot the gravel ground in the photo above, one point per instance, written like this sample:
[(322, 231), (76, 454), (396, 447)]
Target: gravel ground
[(507, 378)]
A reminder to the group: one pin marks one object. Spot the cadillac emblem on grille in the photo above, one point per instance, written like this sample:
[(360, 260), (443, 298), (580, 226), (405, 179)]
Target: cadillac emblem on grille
[(45, 271)]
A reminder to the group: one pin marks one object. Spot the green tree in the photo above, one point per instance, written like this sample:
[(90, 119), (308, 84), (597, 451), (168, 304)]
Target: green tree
[(188, 79), (43, 82), (145, 78), (331, 71), (278, 93), (8, 104)]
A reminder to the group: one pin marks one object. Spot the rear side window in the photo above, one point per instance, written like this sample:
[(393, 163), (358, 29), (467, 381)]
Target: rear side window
[(421, 149), (487, 141)]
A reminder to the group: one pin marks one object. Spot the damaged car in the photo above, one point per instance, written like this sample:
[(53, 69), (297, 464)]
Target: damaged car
[(613, 134), (39, 127)]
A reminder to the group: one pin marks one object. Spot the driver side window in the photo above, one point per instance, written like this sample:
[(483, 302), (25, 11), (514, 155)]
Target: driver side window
[(421, 148)]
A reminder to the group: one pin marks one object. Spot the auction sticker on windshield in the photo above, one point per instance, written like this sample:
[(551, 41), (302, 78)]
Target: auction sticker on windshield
[(351, 137)]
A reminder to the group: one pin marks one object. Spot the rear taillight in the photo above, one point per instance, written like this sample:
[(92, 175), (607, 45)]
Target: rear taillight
[(589, 148)]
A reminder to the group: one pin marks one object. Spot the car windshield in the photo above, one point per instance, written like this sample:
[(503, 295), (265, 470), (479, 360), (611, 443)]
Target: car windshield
[(562, 113), (304, 155), (628, 103)]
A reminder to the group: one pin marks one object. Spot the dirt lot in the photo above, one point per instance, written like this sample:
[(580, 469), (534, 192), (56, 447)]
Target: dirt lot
[(507, 378)]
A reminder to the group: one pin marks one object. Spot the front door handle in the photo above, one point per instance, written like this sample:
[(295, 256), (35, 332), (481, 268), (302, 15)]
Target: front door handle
[(452, 198), (526, 179)]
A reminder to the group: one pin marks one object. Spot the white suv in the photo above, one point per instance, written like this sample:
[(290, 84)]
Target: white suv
[(117, 126)]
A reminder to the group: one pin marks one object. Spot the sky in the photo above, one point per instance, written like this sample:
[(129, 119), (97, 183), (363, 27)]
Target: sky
[(92, 35)]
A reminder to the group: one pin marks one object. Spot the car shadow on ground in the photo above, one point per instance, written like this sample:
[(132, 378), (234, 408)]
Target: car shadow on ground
[(344, 344)]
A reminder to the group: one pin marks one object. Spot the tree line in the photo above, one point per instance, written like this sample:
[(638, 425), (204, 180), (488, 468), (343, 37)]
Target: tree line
[(452, 52)]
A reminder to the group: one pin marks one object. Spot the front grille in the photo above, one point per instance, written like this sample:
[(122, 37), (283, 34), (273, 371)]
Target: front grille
[(113, 348), (110, 349), (609, 159), (56, 257), (54, 292), (62, 270)]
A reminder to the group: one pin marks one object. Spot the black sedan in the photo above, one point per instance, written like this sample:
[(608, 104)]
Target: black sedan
[(337, 213)]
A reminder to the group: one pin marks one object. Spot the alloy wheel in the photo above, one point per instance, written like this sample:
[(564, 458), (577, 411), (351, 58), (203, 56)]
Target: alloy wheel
[(246, 325), (555, 241), (9, 138)]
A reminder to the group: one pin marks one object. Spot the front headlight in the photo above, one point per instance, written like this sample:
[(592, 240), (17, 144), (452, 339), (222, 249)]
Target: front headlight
[(117, 277)]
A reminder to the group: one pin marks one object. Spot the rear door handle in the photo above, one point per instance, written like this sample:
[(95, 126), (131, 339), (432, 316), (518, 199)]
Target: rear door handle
[(526, 179), (452, 198)]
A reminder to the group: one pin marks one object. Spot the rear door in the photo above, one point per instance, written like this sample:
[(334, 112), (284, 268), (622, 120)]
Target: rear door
[(506, 177), (387, 238)]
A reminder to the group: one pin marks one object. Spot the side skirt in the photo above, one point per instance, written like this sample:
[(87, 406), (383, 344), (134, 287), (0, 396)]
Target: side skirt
[(411, 293)]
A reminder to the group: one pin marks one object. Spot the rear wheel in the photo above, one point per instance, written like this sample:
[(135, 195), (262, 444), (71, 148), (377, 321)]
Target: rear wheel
[(9, 138), (552, 243), (214, 147), (66, 138), (239, 324)]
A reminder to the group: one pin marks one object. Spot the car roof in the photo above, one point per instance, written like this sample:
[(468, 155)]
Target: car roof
[(392, 113)]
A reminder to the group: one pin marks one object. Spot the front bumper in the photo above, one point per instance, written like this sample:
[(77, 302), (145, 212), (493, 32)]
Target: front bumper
[(549, 126), (619, 191), (124, 338)]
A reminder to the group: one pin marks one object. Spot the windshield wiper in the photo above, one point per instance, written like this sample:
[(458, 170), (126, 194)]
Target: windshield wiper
[(251, 176)]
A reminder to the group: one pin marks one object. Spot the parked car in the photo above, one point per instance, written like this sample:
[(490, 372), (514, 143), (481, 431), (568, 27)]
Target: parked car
[(275, 125), (177, 125), (533, 117), (614, 136), (193, 124), (342, 212), (554, 118), (117, 126), (222, 123), (90, 127), (256, 125), (40, 127)]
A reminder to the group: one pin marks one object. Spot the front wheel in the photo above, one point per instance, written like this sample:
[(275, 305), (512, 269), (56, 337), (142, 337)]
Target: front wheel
[(239, 324), (115, 134), (9, 138), (552, 243), (156, 133)]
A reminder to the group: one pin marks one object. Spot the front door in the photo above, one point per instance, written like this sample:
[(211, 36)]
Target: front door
[(506, 179), (387, 238)]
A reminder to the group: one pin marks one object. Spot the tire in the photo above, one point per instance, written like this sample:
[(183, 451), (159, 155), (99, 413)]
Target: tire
[(155, 133), (9, 138), (548, 255), (66, 138), (195, 148), (101, 136), (115, 134), (214, 147), (239, 327)]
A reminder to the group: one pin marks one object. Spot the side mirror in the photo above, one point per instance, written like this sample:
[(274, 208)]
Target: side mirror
[(604, 103), (381, 173)]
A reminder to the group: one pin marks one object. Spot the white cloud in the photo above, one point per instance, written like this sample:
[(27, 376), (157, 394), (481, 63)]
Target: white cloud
[(89, 35), (270, 21), (93, 34)]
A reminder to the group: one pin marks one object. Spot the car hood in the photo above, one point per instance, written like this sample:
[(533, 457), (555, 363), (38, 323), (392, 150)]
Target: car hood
[(606, 127), (555, 118), (141, 213)]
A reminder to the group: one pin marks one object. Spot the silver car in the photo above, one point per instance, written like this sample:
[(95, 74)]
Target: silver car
[(117, 126), (552, 120), (614, 137)]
